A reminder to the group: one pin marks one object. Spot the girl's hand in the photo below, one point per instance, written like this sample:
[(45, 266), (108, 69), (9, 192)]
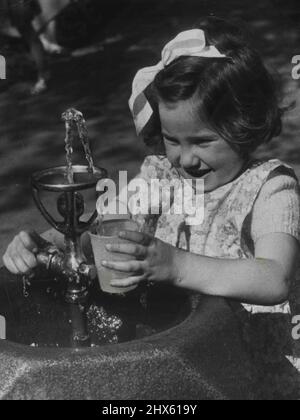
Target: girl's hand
[(20, 255), (152, 260)]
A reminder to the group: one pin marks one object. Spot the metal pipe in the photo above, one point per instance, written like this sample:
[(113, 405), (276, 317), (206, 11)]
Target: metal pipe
[(80, 336)]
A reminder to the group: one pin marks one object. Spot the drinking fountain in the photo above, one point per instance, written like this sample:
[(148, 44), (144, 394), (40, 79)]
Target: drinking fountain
[(69, 266), (66, 339)]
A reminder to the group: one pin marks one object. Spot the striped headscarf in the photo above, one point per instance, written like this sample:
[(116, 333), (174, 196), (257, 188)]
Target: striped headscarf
[(189, 43)]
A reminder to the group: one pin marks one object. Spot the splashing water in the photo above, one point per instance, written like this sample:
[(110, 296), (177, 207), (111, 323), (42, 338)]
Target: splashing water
[(74, 120), (69, 151), (83, 135)]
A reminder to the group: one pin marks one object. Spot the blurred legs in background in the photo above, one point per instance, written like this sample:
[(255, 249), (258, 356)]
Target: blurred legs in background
[(45, 23), (48, 36), (22, 13)]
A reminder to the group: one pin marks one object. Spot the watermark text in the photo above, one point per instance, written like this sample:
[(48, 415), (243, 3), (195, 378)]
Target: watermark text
[(296, 329), (153, 197), (2, 68), (296, 68), (2, 328)]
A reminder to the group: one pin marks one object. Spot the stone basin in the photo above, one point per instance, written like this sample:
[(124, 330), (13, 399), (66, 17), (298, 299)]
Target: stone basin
[(175, 345)]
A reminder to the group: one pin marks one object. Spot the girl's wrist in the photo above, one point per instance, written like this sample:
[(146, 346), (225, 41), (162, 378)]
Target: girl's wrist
[(178, 268)]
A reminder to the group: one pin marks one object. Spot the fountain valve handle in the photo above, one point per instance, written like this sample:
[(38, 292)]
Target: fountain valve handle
[(88, 271)]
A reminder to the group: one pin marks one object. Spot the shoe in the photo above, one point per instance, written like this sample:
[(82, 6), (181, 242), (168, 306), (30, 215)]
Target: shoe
[(40, 87), (51, 47)]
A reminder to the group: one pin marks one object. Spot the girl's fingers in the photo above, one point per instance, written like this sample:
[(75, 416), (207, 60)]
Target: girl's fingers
[(26, 256), (137, 237), (28, 241), (125, 267), (9, 264), (137, 251), (130, 281), (15, 264), (21, 266), (29, 259)]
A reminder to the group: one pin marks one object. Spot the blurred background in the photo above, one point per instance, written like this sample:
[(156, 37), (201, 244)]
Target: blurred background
[(91, 52)]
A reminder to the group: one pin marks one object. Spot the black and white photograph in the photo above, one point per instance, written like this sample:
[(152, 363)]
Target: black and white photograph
[(150, 203)]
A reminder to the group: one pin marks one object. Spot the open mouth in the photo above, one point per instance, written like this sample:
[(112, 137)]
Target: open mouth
[(200, 173)]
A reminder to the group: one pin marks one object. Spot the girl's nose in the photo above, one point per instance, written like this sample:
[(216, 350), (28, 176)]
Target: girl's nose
[(189, 160)]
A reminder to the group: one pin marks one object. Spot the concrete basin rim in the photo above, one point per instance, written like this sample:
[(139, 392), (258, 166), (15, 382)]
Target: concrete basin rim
[(150, 343)]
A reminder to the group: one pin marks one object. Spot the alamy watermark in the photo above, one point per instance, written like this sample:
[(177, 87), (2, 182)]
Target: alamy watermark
[(2, 68), (2, 328), (296, 68), (296, 328), (153, 197)]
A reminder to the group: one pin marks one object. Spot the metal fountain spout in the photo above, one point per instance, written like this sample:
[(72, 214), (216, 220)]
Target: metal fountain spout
[(69, 265)]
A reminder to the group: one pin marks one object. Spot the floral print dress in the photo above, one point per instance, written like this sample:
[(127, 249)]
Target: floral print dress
[(263, 199)]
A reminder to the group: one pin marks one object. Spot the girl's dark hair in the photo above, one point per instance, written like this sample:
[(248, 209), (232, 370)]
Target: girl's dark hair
[(236, 96)]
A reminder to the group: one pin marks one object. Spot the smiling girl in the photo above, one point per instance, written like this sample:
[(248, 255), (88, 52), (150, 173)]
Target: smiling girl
[(206, 107)]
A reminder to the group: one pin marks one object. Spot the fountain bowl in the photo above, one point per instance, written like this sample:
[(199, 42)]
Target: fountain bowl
[(55, 179), (200, 358)]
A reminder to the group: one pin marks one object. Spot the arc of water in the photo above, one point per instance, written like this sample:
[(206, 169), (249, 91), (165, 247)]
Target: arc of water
[(84, 137), (74, 119), (69, 152)]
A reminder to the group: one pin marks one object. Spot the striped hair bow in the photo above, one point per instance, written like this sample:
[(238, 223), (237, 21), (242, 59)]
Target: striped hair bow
[(189, 43)]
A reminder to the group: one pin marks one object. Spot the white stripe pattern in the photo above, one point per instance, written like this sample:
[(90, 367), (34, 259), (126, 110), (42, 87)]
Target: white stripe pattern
[(173, 50)]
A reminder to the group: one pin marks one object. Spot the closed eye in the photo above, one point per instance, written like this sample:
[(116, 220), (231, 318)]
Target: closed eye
[(202, 140), (202, 143), (171, 140), (196, 141)]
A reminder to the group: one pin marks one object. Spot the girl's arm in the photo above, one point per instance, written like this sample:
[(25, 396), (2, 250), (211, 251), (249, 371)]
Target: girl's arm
[(264, 280)]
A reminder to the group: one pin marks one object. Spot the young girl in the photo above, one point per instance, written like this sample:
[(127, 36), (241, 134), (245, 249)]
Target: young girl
[(206, 107)]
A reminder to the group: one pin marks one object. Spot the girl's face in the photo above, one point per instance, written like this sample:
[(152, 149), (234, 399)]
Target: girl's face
[(195, 150)]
